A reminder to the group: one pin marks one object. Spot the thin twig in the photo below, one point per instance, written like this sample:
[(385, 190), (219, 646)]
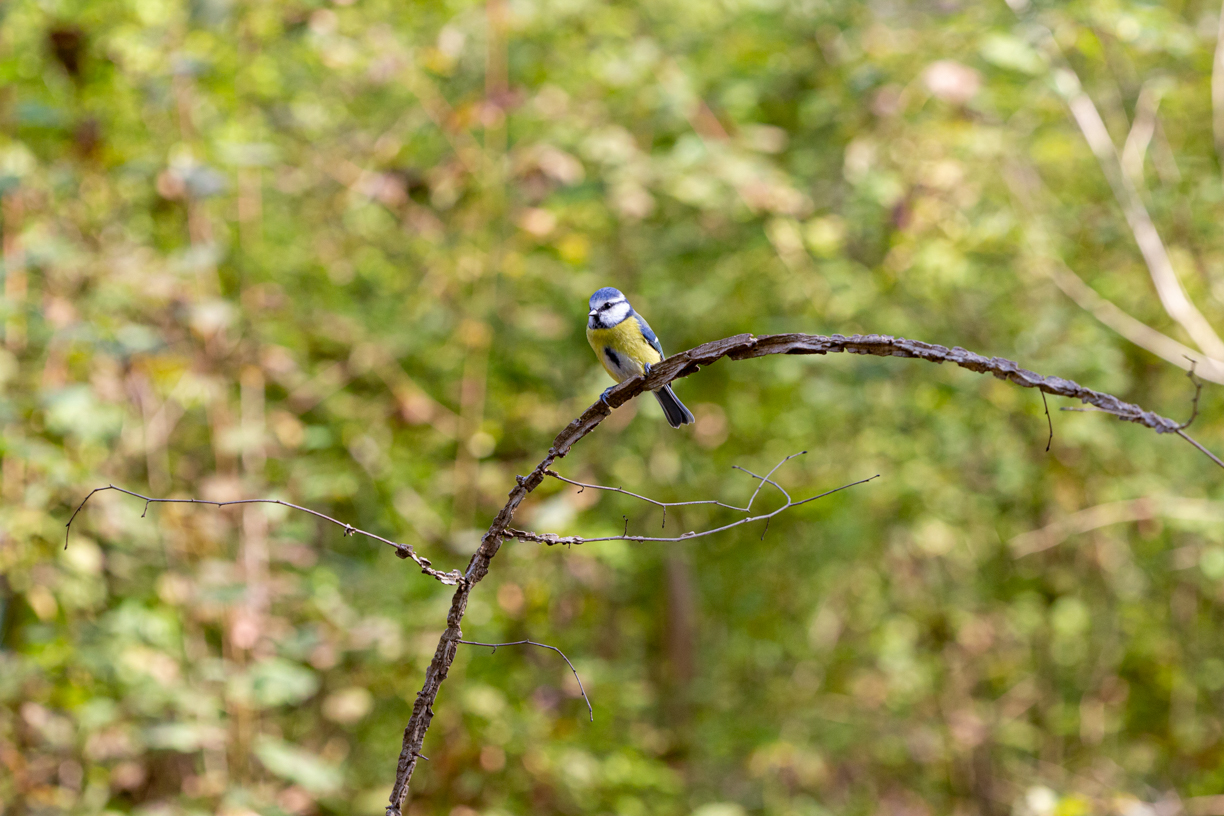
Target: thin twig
[(583, 486), (764, 480), (1049, 421), (495, 647), (1211, 455), (550, 538), (1198, 392), (451, 578)]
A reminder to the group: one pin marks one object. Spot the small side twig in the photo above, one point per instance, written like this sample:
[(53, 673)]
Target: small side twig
[(551, 538), (664, 505), (495, 646), (1049, 421), (451, 578), (1198, 392)]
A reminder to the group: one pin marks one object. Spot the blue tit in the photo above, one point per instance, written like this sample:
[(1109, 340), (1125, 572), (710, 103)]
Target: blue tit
[(627, 347)]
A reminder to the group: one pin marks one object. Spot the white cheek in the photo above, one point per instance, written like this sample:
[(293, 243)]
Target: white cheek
[(617, 313)]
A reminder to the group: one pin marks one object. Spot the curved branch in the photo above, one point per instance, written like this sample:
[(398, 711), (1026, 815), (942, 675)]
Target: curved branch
[(739, 347), (495, 647)]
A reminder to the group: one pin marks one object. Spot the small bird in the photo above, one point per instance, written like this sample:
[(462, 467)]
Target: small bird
[(627, 347)]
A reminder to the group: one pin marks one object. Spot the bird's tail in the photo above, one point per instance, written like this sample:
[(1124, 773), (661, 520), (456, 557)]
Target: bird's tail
[(673, 408)]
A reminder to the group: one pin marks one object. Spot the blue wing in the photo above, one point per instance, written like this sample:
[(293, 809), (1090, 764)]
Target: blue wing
[(649, 334)]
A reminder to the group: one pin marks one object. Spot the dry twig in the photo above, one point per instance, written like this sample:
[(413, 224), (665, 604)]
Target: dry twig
[(550, 539), (496, 646), (402, 550), (745, 509)]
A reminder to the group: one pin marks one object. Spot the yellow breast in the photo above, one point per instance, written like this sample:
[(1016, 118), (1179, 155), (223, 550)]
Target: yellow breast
[(627, 343)]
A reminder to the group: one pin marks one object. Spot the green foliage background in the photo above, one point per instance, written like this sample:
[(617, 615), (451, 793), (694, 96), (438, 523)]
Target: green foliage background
[(340, 254)]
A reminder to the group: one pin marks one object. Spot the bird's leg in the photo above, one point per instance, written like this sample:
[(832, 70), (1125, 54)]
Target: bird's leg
[(604, 396)]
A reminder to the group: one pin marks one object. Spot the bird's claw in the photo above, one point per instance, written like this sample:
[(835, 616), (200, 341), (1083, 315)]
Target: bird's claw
[(604, 397)]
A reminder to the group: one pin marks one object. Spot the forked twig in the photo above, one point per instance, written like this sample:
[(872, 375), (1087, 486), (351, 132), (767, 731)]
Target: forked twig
[(664, 505), (550, 538), (406, 551), (495, 647)]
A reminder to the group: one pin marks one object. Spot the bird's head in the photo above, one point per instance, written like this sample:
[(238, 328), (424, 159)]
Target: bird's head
[(608, 308)]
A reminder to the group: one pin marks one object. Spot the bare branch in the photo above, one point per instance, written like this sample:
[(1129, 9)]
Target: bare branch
[(584, 486), (763, 480), (402, 550), (1206, 452), (551, 539), (1141, 132), (495, 647)]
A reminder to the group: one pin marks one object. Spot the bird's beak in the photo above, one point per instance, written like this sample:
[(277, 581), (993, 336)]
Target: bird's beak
[(592, 313)]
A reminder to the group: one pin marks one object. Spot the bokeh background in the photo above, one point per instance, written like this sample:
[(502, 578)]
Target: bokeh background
[(339, 253)]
